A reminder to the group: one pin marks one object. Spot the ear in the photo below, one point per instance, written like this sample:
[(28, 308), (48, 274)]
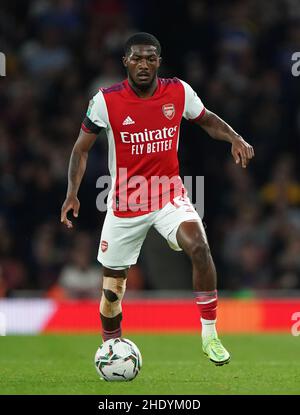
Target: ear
[(124, 59), (159, 61)]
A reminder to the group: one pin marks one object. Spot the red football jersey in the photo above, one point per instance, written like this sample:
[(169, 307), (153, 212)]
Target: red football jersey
[(143, 137)]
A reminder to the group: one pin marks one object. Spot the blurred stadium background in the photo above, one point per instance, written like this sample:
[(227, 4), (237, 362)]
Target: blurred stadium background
[(237, 56)]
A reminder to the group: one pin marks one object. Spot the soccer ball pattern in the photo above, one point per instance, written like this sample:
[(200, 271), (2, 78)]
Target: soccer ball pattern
[(118, 360)]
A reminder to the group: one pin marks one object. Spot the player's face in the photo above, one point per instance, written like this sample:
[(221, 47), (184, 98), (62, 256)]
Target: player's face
[(142, 64)]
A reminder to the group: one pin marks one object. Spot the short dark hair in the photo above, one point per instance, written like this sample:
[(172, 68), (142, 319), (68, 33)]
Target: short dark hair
[(141, 38)]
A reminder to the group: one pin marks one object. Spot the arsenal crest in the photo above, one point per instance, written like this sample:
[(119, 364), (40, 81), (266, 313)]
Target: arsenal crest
[(168, 110), (104, 246)]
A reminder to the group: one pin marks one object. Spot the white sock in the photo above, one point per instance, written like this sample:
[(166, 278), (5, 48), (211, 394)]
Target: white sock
[(209, 328)]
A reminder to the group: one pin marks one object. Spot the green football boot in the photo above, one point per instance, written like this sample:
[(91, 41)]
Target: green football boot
[(215, 351)]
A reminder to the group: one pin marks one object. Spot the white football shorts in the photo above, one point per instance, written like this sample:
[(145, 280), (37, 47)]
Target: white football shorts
[(122, 238)]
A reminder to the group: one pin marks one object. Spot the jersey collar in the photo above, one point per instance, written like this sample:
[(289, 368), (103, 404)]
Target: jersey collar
[(133, 94)]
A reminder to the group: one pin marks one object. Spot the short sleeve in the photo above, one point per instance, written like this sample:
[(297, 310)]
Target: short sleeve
[(193, 106), (97, 111)]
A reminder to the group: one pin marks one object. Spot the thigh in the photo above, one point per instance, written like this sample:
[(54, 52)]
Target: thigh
[(191, 234), (121, 240), (169, 219)]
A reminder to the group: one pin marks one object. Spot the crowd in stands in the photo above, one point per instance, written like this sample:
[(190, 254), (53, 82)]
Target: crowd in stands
[(235, 54)]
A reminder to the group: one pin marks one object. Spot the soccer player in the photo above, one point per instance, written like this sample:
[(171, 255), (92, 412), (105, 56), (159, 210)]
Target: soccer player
[(141, 117)]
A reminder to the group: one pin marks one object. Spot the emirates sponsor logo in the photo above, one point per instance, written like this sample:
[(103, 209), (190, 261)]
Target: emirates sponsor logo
[(148, 135), (104, 246), (168, 111)]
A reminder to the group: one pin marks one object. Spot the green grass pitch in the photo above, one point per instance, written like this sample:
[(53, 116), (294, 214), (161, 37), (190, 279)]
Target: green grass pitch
[(172, 364)]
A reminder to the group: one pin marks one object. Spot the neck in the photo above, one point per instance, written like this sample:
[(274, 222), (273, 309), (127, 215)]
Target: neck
[(144, 92)]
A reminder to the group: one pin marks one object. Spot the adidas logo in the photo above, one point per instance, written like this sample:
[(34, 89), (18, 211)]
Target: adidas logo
[(128, 121)]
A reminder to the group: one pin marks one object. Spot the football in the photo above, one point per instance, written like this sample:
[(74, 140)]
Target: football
[(118, 360)]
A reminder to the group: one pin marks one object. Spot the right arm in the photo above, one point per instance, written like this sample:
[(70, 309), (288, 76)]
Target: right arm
[(77, 166)]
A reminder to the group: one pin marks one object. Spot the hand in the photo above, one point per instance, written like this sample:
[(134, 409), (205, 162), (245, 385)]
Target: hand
[(70, 203), (241, 151)]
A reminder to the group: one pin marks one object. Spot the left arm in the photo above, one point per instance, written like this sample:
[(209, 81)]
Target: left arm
[(218, 129)]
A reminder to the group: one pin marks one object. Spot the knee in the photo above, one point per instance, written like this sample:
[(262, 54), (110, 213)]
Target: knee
[(112, 294), (109, 272), (200, 252)]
